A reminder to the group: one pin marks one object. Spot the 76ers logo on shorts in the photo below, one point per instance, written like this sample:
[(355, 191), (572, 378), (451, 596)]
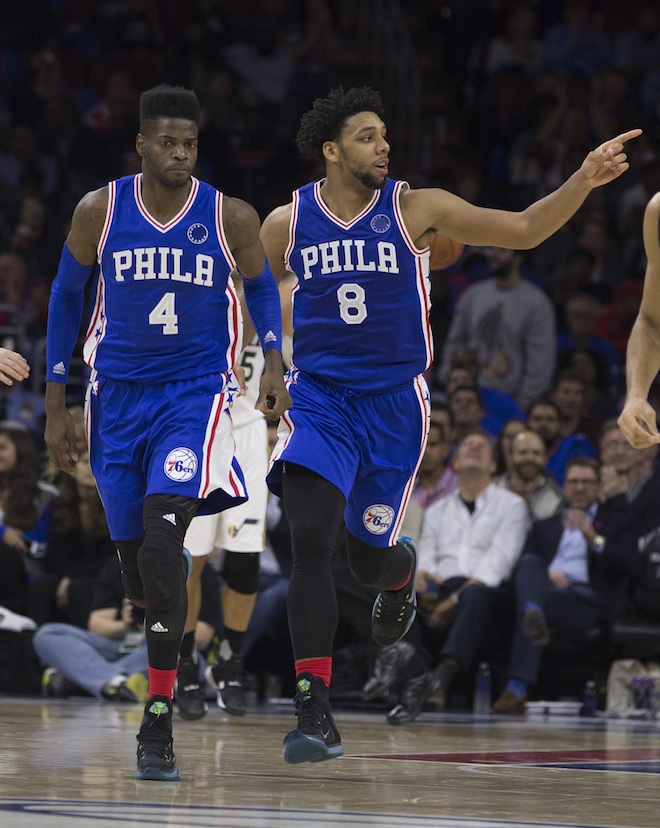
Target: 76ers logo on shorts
[(181, 464), (378, 518)]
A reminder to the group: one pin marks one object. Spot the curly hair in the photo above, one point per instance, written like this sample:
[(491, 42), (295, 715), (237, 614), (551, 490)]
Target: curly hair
[(326, 119), (168, 102)]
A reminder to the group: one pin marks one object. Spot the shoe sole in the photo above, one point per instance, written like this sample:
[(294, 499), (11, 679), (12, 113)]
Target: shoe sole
[(300, 748), (158, 775), (190, 717)]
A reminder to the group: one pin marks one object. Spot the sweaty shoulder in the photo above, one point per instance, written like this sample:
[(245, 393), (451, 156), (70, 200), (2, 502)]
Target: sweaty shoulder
[(275, 236), (87, 225)]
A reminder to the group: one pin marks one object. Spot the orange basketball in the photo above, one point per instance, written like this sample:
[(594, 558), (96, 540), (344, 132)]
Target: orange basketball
[(444, 251)]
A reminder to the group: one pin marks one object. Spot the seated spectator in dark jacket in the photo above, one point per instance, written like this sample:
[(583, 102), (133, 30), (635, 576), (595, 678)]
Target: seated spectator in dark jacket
[(572, 576)]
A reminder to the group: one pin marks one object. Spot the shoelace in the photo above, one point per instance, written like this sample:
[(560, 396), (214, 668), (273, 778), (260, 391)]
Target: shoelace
[(308, 710), (392, 606)]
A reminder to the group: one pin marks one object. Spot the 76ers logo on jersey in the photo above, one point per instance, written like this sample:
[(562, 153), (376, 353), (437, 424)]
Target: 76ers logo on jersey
[(181, 464), (378, 518), (197, 233)]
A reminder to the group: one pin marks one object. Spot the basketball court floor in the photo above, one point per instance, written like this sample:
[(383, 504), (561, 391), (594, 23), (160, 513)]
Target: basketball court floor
[(68, 763)]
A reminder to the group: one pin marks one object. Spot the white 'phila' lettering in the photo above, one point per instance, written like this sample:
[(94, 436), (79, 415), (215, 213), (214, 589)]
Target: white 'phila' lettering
[(347, 255), (144, 263)]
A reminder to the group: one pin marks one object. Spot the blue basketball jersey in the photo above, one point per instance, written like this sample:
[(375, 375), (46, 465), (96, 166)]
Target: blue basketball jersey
[(165, 308), (361, 305)]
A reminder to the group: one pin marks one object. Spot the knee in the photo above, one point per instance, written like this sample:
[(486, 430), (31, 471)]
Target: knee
[(367, 563), (163, 574), (476, 595), (241, 571)]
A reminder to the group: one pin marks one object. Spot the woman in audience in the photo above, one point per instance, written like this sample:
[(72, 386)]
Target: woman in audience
[(78, 546), (25, 510)]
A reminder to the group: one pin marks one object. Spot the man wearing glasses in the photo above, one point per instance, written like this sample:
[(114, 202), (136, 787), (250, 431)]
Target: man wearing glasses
[(571, 577)]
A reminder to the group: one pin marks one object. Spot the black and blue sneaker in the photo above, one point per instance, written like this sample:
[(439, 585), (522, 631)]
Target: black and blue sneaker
[(155, 756), (394, 610), (316, 737)]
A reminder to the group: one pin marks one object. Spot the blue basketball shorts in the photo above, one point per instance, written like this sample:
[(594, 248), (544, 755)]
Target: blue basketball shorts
[(368, 445), (173, 438)]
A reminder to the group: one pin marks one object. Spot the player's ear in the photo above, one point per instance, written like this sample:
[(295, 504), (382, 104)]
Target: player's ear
[(139, 144), (330, 152)]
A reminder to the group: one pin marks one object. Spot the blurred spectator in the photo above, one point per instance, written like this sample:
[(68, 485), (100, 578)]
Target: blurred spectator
[(25, 512), (578, 46), (607, 269), (467, 411), (498, 406), (618, 316), (262, 61), (519, 46), (510, 324), (435, 479), (543, 417), (572, 279), (504, 445), (568, 392), (78, 545), (112, 119), (528, 477), (637, 49), (313, 73), (582, 313), (590, 366), (35, 238), (23, 157)]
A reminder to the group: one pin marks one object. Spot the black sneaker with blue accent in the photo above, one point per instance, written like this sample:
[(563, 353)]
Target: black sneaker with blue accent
[(155, 756), (316, 737), (394, 610)]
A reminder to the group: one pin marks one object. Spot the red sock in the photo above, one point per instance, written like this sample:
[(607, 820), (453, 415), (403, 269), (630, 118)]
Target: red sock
[(161, 682), (320, 667)]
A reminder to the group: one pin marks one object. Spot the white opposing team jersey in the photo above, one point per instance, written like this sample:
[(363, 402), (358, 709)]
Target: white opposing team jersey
[(252, 361), (165, 308)]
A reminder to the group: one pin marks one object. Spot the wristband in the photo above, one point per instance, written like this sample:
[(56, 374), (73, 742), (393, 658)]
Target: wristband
[(263, 303), (453, 598)]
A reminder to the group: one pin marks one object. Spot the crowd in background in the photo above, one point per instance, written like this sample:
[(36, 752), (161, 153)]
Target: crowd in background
[(514, 95)]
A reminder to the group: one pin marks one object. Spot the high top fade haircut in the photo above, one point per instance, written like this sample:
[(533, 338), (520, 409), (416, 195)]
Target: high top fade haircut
[(168, 102), (326, 119)]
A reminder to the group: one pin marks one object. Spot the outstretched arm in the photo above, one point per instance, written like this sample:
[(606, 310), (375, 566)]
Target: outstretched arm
[(638, 419), (474, 225)]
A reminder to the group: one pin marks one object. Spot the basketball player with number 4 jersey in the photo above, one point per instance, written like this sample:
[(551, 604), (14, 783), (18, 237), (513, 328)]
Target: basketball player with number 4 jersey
[(163, 337), (351, 443)]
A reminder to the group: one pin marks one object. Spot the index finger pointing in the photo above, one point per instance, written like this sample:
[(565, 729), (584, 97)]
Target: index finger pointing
[(626, 136)]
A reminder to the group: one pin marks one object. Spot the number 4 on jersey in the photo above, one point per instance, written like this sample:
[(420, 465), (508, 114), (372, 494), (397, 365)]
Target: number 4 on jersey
[(165, 315)]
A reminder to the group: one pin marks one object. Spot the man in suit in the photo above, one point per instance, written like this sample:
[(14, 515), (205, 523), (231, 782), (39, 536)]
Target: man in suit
[(572, 575)]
